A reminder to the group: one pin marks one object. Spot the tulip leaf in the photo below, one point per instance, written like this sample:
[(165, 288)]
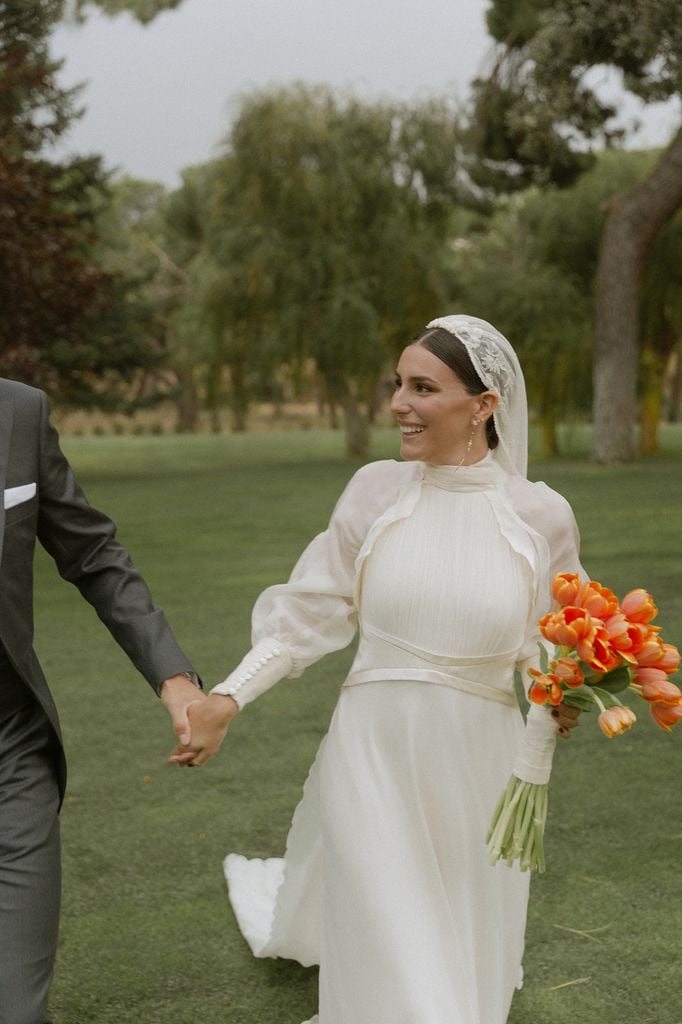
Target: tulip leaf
[(616, 680), (579, 697), (544, 658)]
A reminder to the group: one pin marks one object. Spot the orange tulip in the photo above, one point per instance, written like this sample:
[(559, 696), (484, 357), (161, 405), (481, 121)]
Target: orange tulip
[(547, 687), (649, 674), (638, 606), (547, 624), (638, 632), (565, 587), (568, 670), (600, 602), (566, 626), (595, 648), (651, 652), (617, 626), (670, 662), (616, 720), (656, 687), (666, 715), (626, 637)]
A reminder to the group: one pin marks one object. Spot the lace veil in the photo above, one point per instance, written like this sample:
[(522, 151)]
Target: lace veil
[(498, 367)]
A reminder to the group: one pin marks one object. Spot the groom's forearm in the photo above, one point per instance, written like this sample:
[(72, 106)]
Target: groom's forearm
[(82, 540)]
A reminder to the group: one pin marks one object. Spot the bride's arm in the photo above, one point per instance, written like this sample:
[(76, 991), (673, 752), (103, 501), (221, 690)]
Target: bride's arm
[(294, 624)]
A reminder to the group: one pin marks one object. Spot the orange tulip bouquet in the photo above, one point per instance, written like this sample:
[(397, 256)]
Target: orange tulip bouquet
[(602, 648)]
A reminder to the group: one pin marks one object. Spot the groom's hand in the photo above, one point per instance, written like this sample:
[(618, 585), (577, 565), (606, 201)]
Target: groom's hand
[(208, 721), (177, 693)]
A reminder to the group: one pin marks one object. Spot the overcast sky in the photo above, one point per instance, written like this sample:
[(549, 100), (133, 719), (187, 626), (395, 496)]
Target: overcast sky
[(161, 97)]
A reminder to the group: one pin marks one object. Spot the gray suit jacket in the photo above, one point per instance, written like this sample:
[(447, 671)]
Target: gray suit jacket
[(82, 542)]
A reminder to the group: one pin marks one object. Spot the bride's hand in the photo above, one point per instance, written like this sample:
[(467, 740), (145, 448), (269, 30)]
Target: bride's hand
[(209, 720), (566, 718)]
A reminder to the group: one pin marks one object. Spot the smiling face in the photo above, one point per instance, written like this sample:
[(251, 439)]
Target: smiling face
[(435, 412)]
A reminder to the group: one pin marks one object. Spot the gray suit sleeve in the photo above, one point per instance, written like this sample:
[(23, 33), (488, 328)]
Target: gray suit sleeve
[(83, 543)]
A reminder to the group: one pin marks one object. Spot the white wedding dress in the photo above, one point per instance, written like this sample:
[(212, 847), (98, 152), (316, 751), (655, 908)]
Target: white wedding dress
[(386, 881)]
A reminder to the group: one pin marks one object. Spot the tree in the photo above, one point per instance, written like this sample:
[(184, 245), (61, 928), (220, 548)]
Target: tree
[(661, 332), (144, 10), (566, 227), (53, 296), (632, 225), (533, 268), (198, 345), (334, 215), (547, 111), (506, 270), (129, 248)]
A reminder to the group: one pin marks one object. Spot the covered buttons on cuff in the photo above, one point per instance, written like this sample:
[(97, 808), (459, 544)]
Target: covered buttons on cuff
[(264, 665)]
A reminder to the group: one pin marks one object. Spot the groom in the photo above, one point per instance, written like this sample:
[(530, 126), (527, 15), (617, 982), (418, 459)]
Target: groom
[(42, 500)]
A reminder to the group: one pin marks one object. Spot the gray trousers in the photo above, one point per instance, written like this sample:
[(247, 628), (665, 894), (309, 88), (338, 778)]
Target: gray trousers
[(30, 871)]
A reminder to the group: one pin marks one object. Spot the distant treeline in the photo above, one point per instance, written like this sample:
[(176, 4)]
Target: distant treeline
[(299, 262)]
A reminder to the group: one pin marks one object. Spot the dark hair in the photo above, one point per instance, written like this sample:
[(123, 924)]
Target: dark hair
[(450, 350)]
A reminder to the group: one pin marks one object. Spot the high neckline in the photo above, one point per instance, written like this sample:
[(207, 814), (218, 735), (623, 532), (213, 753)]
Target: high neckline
[(485, 473)]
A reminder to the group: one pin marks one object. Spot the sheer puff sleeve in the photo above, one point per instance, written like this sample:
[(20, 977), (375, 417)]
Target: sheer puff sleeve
[(294, 624)]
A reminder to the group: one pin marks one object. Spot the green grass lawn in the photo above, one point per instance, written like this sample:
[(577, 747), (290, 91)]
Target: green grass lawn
[(147, 934)]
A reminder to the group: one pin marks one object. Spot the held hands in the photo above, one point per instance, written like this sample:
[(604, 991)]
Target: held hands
[(208, 721), (199, 722), (177, 693)]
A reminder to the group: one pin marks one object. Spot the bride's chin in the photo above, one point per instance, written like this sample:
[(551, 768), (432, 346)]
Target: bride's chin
[(409, 451)]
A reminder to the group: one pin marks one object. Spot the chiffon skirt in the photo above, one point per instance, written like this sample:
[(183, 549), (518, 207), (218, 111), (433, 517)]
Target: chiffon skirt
[(386, 882)]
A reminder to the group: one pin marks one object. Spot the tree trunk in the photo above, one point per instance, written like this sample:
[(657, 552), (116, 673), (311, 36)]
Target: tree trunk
[(675, 400), (357, 430), (650, 418), (380, 392), (550, 441), (326, 393), (631, 224), (214, 390), (239, 394), (652, 395), (186, 403), (654, 363)]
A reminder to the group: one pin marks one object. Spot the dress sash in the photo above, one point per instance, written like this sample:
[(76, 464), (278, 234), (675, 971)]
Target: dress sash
[(438, 675)]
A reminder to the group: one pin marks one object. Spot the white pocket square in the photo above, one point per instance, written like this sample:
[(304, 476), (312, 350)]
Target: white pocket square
[(16, 495)]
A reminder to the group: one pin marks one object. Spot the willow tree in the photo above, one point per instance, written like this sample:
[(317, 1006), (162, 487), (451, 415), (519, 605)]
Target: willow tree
[(537, 113), (332, 217)]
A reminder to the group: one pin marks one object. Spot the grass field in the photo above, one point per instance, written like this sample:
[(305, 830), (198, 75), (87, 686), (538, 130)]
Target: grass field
[(148, 935)]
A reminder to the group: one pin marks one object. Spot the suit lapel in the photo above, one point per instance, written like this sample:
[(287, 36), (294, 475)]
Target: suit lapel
[(6, 422)]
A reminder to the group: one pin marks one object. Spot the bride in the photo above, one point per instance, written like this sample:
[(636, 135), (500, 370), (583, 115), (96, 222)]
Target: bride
[(442, 563)]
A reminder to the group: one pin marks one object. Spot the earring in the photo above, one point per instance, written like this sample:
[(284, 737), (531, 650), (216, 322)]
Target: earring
[(470, 442)]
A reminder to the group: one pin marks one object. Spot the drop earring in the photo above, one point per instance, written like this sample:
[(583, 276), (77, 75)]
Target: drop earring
[(470, 442)]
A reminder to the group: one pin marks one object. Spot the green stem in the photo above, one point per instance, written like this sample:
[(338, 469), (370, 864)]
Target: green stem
[(517, 829), (597, 701)]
